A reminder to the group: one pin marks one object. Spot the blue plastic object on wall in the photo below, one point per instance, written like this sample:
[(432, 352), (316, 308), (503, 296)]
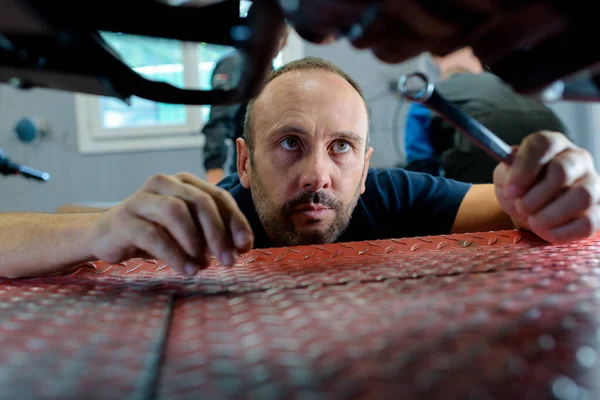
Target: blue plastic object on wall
[(28, 130)]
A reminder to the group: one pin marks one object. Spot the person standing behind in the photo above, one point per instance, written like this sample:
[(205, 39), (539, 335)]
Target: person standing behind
[(226, 121), (434, 146)]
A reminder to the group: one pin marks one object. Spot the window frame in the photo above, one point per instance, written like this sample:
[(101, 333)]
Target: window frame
[(93, 138)]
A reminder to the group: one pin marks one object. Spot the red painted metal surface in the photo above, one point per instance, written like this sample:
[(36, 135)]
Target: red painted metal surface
[(480, 316), (331, 264), (66, 341)]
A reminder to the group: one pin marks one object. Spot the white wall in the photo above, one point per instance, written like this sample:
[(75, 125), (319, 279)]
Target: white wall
[(583, 122), (74, 177)]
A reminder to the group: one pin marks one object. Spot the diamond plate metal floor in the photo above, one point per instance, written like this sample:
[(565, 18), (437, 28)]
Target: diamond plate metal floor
[(78, 341), (478, 316)]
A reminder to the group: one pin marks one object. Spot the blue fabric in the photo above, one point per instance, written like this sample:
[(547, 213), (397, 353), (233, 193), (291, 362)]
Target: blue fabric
[(417, 138), (396, 203)]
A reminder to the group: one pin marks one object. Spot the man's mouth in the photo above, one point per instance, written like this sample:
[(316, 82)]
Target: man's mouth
[(311, 207), (312, 210)]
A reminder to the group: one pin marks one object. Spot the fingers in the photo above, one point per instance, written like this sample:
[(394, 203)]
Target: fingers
[(225, 228), (173, 214), (580, 228), (154, 240), (500, 175), (180, 219), (204, 210), (550, 188), (234, 219), (218, 237), (574, 202), (563, 171), (532, 156)]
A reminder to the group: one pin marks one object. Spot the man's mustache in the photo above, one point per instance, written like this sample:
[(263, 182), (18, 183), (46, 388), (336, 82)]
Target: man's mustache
[(303, 198)]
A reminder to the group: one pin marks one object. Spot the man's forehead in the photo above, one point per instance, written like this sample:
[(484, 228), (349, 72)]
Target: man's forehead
[(326, 96), (305, 81)]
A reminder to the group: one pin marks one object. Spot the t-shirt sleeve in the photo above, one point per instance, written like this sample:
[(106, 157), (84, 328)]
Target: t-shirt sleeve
[(415, 204)]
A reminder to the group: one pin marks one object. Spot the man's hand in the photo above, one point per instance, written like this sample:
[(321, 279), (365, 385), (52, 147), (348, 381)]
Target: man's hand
[(179, 219), (551, 188)]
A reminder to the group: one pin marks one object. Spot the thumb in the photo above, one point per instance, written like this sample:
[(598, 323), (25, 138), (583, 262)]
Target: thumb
[(511, 157), (501, 173)]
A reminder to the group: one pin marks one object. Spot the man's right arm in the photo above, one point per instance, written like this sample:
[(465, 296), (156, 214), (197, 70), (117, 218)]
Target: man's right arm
[(179, 219), (40, 244)]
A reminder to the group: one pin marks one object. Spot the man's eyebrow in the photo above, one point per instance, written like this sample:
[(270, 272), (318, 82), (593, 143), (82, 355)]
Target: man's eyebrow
[(350, 136), (290, 129), (347, 135)]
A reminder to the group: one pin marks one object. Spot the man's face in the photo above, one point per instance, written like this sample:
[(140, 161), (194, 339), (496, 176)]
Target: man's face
[(310, 159)]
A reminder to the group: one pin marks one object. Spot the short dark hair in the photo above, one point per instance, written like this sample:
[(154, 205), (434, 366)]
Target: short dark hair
[(303, 64)]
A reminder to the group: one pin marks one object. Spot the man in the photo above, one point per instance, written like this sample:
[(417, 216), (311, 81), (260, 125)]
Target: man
[(226, 121), (304, 177), (434, 146)]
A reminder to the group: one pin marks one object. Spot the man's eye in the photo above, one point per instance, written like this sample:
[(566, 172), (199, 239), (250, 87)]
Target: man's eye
[(341, 146), (289, 143)]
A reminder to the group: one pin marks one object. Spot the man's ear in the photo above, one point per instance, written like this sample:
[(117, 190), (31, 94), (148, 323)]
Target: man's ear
[(366, 169), (243, 162)]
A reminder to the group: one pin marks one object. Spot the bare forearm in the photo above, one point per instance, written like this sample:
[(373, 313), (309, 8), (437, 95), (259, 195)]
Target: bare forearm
[(40, 244), (71, 209), (481, 211)]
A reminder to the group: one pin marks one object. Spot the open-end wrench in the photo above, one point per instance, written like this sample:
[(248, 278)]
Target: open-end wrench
[(416, 87)]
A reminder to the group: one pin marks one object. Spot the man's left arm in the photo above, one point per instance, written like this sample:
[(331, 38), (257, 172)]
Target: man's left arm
[(551, 188), (480, 211)]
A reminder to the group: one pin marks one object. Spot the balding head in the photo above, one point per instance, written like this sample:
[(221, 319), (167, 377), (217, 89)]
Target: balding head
[(305, 64), (304, 155)]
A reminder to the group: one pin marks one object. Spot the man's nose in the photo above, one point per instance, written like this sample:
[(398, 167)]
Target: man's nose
[(316, 171)]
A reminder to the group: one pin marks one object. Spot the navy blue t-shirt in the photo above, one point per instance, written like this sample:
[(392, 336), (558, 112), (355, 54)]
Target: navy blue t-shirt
[(395, 204)]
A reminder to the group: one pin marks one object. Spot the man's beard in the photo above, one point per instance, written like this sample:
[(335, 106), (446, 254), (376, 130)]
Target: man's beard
[(277, 219)]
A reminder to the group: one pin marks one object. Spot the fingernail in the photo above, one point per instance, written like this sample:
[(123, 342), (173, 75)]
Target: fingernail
[(190, 269), (241, 239), (228, 258)]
